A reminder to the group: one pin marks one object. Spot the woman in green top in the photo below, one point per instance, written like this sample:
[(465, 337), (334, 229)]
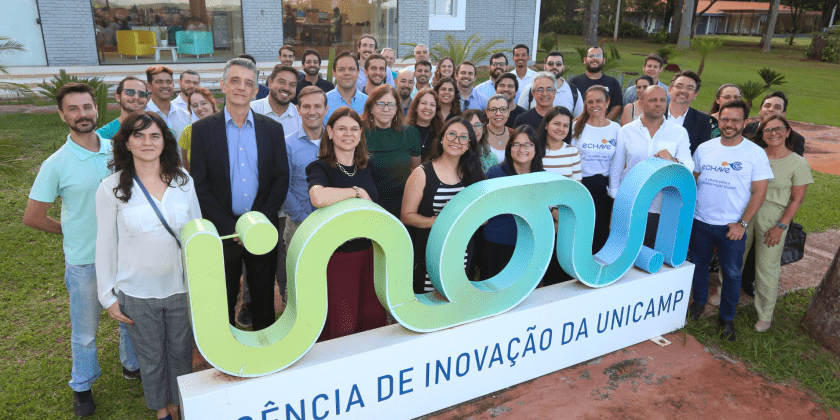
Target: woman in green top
[(478, 120), (394, 148), (785, 193)]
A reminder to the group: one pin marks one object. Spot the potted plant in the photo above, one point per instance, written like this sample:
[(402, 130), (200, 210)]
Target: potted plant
[(163, 31)]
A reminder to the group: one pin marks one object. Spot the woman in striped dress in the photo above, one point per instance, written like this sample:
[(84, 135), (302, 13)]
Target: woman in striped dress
[(454, 165)]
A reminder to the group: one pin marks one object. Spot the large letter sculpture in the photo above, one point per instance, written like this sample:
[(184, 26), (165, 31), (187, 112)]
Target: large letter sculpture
[(458, 300)]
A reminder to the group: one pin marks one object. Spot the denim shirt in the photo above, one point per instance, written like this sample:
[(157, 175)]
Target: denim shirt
[(301, 151), (242, 152)]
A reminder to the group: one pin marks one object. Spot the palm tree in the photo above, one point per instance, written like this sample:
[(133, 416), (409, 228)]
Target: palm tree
[(704, 46), (472, 49), (10, 46)]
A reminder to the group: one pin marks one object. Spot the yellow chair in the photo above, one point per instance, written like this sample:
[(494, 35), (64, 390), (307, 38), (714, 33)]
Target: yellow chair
[(136, 43)]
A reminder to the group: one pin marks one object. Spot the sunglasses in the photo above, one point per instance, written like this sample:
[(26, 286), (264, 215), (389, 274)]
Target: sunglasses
[(140, 93)]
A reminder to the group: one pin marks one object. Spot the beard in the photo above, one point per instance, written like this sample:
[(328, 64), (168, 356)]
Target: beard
[(594, 69), (312, 71), (75, 125), (279, 100)]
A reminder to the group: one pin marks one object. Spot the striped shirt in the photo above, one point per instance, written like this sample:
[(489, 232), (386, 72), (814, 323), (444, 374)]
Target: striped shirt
[(443, 194), (564, 161)]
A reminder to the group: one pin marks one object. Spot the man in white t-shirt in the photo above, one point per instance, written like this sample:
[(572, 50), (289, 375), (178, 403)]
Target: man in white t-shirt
[(732, 175)]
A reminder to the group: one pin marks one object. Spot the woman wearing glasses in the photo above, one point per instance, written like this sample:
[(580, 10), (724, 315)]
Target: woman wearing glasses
[(453, 166), (201, 104), (633, 111), (595, 137), (725, 93), (768, 229), (450, 98), (498, 134), (522, 156), (478, 119), (394, 148), (423, 116), (140, 211)]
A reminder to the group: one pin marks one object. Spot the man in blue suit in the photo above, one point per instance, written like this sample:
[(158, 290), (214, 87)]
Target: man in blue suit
[(683, 91)]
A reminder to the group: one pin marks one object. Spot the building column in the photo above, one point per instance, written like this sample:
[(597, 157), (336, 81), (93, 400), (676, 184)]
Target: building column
[(262, 28), (69, 38)]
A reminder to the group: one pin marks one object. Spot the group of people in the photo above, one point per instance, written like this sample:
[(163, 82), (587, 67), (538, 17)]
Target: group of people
[(408, 142)]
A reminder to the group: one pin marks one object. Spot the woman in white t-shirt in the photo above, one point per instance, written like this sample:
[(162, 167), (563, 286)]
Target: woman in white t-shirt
[(595, 137), (555, 135)]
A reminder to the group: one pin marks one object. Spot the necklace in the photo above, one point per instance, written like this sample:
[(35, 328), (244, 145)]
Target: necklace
[(497, 134), (340, 166)]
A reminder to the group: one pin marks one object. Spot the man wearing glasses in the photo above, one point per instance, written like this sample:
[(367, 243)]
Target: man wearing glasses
[(132, 96), (508, 85), (470, 98), (566, 95), (683, 91), (543, 89), (594, 62), (732, 174), (498, 66), (776, 104)]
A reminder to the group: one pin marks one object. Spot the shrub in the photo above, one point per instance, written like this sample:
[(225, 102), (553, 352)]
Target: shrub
[(824, 48), (560, 26), (663, 37), (61, 79), (625, 30)]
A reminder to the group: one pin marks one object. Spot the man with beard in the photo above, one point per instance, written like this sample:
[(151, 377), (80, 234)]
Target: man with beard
[(74, 172), (594, 62), (160, 84), (543, 89), (188, 80), (508, 85), (732, 175), (346, 92), (282, 86), (422, 76), (776, 103), (421, 53), (683, 91), (498, 65), (365, 47), (521, 56), (376, 68), (312, 74), (566, 94), (654, 64), (132, 96), (405, 83), (470, 98)]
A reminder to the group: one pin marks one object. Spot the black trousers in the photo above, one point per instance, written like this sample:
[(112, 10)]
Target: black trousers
[(597, 186), (261, 271)]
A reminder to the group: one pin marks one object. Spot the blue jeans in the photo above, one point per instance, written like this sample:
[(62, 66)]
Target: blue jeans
[(85, 311), (704, 237)]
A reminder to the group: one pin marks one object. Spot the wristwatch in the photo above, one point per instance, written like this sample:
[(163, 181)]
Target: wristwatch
[(782, 226), (743, 223)]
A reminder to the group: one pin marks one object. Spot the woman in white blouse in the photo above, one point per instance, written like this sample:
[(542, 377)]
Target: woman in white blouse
[(652, 136), (139, 272), (595, 137)]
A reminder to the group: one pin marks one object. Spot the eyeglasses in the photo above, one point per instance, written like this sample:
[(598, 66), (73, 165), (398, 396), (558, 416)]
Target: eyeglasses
[(554, 63), (499, 110), (595, 56), (545, 90), (778, 130), (140, 93), (478, 126), (526, 146), (498, 64), (731, 120), (390, 105), (451, 136), (684, 87)]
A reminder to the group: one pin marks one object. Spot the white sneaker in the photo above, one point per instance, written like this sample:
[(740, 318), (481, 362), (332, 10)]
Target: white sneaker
[(714, 300), (762, 326)]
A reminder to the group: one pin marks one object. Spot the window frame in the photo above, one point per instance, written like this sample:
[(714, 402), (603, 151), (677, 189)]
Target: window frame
[(454, 22)]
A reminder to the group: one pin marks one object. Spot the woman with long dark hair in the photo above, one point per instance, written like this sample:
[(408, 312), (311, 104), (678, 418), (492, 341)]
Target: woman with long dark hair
[(453, 166), (342, 171), (478, 120), (201, 104), (423, 116), (725, 93), (449, 103), (555, 136), (140, 211), (768, 229), (445, 68)]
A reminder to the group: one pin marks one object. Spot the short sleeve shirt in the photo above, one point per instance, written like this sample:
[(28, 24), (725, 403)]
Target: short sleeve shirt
[(725, 180), (789, 171), (108, 131), (74, 173), (597, 148)]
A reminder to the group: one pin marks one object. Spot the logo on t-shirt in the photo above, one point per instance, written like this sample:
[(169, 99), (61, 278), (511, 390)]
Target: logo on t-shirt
[(735, 165), (605, 144), (724, 167)]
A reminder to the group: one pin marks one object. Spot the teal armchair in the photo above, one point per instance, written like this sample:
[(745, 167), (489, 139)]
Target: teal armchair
[(194, 42)]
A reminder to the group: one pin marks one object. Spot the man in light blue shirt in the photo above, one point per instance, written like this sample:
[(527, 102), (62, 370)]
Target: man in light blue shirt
[(365, 47), (346, 70), (498, 66), (132, 96), (74, 173), (653, 67), (470, 98)]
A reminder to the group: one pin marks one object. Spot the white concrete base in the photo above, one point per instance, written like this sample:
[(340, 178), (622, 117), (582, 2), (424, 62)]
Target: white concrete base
[(393, 373)]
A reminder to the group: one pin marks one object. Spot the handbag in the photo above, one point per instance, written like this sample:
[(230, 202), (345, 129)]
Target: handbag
[(794, 244), (157, 211)]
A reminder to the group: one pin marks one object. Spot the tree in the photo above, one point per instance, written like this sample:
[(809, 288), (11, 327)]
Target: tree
[(771, 26), (704, 46), (684, 40), (472, 49), (822, 319), (590, 23), (9, 46)]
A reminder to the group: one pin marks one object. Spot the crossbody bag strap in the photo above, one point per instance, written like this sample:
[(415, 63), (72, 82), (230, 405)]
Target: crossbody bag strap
[(157, 211)]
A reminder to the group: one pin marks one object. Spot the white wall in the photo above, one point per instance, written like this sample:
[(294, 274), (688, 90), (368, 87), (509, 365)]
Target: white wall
[(19, 24)]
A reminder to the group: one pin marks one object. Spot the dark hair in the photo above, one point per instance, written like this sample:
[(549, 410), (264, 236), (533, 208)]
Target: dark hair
[(499, 55), (542, 132), (423, 63), (465, 63), (737, 103), (312, 52), (376, 95), (645, 77), (687, 73), (469, 164), (123, 160), (121, 85), (455, 108), (583, 118), (375, 56), (344, 54), (758, 137), (73, 88), (554, 54), (482, 116), (248, 57), (359, 44), (151, 71), (510, 76), (655, 57), (594, 47), (777, 94), (518, 46), (327, 150), (286, 47), (539, 152), (437, 75), (715, 105), (192, 72), (411, 117), (203, 91), (309, 90), (279, 68)]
